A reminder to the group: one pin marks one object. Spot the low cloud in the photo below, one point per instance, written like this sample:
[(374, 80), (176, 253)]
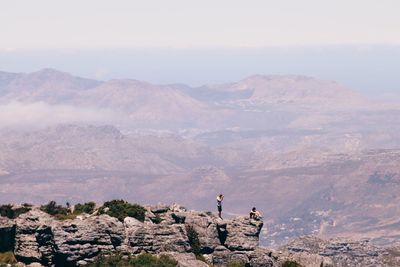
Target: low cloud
[(40, 114)]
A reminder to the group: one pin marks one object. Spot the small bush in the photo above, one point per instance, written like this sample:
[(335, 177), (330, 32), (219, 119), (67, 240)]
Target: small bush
[(88, 208), (146, 259), (157, 219), (53, 209), (236, 264), (291, 264), (142, 260), (58, 211), (194, 240), (9, 212), (114, 260), (7, 258), (121, 209)]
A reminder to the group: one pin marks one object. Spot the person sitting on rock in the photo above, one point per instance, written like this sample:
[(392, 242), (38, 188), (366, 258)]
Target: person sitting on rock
[(220, 197), (255, 214)]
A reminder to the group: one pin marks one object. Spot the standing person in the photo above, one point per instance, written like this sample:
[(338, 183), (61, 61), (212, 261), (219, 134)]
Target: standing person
[(220, 197)]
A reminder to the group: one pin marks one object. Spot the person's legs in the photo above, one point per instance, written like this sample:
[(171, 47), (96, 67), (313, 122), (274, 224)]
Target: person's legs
[(219, 211)]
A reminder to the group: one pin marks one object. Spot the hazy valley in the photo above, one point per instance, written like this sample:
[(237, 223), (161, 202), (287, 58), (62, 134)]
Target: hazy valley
[(313, 156)]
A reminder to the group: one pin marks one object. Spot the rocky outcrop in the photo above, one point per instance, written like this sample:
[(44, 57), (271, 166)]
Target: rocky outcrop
[(312, 251), (79, 240), (36, 237)]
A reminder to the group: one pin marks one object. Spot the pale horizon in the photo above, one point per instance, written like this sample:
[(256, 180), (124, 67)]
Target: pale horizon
[(46, 24)]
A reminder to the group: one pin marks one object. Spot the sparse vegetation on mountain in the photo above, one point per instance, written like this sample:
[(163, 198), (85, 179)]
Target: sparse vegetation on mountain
[(147, 259), (121, 209), (87, 207), (157, 219), (58, 211), (142, 260), (12, 213), (194, 240)]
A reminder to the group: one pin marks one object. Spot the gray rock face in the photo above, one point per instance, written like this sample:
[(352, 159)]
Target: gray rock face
[(28, 227), (242, 234), (37, 238), (81, 239), (206, 226), (7, 234), (159, 238), (261, 257), (221, 256)]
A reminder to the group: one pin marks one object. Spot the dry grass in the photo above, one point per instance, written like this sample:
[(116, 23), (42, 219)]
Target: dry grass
[(7, 257)]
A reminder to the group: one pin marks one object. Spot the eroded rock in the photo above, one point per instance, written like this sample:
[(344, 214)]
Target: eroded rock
[(38, 238)]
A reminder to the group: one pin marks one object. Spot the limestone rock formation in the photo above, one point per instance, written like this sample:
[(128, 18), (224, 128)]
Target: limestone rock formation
[(37, 238)]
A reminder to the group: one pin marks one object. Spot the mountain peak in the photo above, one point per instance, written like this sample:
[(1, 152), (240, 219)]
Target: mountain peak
[(50, 72), (293, 77)]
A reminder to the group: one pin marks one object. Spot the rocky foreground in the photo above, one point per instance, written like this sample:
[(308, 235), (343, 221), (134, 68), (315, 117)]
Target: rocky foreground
[(38, 239)]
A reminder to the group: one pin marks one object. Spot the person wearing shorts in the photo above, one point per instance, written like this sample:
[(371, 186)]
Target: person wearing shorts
[(220, 197)]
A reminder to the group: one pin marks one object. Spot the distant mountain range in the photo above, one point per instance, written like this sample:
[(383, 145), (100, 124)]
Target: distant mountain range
[(146, 105), (313, 156)]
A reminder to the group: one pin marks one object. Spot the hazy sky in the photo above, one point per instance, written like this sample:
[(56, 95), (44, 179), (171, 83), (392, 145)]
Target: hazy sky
[(355, 42), (27, 24)]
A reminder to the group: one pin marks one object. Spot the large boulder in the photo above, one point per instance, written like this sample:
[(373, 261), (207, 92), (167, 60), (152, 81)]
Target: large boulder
[(82, 239), (262, 257), (221, 256), (27, 249), (205, 225), (243, 234), (158, 238)]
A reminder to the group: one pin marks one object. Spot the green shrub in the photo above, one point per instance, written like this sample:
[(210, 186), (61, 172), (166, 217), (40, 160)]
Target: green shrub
[(236, 264), (157, 219), (146, 259), (58, 211), (121, 209), (194, 240), (88, 208), (53, 209), (114, 260), (11, 213), (291, 264), (7, 258), (142, 260)]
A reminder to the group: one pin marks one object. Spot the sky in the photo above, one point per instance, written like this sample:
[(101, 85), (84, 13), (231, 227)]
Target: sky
[(205, 41), (42, 24)]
